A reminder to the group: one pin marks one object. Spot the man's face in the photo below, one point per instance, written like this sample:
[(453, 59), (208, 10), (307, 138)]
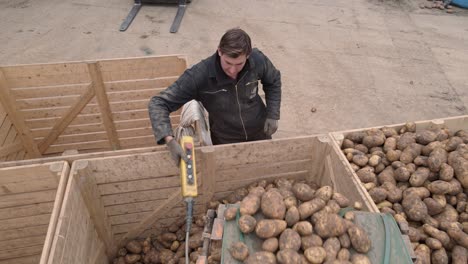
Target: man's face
[(232, 66)]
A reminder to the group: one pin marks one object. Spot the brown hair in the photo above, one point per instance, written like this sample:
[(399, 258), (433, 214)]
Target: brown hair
[(235, 42)]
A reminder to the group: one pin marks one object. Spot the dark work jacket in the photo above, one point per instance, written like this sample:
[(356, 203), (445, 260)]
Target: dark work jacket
[(236, 111)]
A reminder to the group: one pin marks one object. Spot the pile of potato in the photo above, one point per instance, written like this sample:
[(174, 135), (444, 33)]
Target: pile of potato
[(169, 247), (299, 224), (421, 178)]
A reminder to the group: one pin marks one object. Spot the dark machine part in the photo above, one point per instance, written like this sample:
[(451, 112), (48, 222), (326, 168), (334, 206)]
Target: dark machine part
[(182, 5)]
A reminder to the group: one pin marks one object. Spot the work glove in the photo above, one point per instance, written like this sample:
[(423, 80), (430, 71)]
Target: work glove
[(177, 152), (271, 125)]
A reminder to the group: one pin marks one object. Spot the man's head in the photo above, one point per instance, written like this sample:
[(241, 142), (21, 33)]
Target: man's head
[(234, 49)]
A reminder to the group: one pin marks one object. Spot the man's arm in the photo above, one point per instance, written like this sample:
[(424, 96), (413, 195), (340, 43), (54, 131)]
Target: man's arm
[(171, 99), (271, 81)]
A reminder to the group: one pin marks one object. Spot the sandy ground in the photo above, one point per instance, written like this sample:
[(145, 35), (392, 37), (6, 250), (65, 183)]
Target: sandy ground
[(360, 63)]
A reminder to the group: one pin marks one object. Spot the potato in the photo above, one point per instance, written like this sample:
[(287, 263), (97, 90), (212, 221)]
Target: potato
[(304, 228), (453, 143), (292, 216), (359, 239), (421, 192), (459, 236), (303, 192), (330, 225), (387, 175), (405, 140), (267, 228), (288, 256), (134, 247), (311, 241), (415, 235), (418, 178), (325, 193), (431, 221), (342, 200), (374, 138), (425, 137), (374, 160), (356, 137), (402, 174), (257, 191), (315, 254), (290, 201), (446, 172), (331, 246), (355, 167), (378, 194), (272, 205), (379, 168), (347, 143), (343, 254), (433, 206), (261, 257), (357, 205), (247, 224), (394, 195), (439, 256), (290, 239), (390, 144), (420, 161), (423, 253), (132, 258), (393, 155), (437, 157), (460, 167), (239, 251), (439, 187), (360, 160), (360, 259), (410, 153), (433, 243), (334, 206), (270, 245), (437, 234), (284, 183), (308, 208), (414, 207), (366, 174), (459, 255), (344, 240), (196, 240), (230, 213)]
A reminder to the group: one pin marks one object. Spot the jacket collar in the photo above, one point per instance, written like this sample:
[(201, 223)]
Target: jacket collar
[(215, 70)]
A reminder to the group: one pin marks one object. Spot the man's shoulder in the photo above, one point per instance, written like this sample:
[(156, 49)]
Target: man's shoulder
[(204, 66)]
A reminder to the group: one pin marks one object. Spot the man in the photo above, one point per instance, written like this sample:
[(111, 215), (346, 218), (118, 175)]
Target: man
[(227, 85)]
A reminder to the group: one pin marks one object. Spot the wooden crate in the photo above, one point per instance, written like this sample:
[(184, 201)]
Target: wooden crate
[(452, 123), (46, 109), (30, 202), (131, 196)]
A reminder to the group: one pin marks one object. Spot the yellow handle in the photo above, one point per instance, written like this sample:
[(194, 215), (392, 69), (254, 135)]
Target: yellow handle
[(188, 173)]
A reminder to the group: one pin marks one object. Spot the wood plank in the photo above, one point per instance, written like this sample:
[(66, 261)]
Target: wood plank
[(77, 138), (261, 169), (122, 168), (4, 130), (174, 198), (267, 152), (23, 222), (95, 205), (57, 111), (34, 259), (138, 142), (129, 124), (85, 146), (19, 255), (138, 196), (11, 139), (22, 242), (129, 105), (8, 103), (26, 210), (49, 91), (208, 178), (132, 114), (70, 130), (10, 148), (46, 74), (51, 121), (24, 232), (139, 185), (47, 102), (103, 101), (35, 185), (137, 84), (27, 198), (142, 68), (24, 174), (66, 120), (143, 94)]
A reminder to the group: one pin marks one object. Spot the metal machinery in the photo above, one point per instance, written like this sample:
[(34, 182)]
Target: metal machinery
[(182, 5)]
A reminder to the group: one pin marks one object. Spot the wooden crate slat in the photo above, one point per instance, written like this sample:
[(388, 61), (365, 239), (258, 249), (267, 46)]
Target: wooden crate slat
[(91, 145), (142, 68), (26, 210), (27, 198), (49, 91), (50, 122), (77, 138), (129, 105), (132, 114), (91, 108), (22, 242), (46, 74), (139, 185), (70, 130), (137, 84), (34, 185), (47, 102), (140, 196), (143, 94), (35, 220), (21, 255), (4, 130), (24, 232), (23, 174)]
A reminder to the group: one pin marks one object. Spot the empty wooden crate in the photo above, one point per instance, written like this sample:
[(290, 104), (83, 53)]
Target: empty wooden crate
[(30, 202)]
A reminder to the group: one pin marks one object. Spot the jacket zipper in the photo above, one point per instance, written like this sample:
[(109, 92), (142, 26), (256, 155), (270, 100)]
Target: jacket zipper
[(238, 103), (222, 90)]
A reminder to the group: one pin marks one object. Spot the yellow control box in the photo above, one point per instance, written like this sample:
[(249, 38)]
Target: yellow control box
[(188, 172)]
